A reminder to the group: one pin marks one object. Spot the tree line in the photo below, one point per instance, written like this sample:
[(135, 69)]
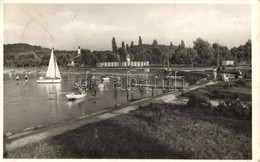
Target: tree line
[(25, 55), (201, 54)]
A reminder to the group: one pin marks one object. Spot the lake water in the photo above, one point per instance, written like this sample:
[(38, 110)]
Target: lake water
[(29, 104)]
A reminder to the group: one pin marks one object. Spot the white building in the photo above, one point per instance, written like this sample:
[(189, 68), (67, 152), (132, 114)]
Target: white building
[(128, 60), (228, 62), (79, 51)]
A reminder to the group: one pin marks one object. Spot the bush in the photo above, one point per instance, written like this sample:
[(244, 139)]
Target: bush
[(224, 94), (240, 82), (196, 99), (234, 108), (199, 92)]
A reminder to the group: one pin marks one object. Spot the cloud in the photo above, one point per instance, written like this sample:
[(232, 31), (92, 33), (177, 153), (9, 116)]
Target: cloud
[(64, 14), (12, 26), (95, 25), (155, 15)]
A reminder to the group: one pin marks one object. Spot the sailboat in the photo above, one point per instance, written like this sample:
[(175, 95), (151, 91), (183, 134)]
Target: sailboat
[(53, 73)]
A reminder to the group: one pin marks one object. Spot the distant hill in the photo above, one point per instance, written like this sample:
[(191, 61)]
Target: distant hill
[(21, 47), (24, 47), (22, 54)]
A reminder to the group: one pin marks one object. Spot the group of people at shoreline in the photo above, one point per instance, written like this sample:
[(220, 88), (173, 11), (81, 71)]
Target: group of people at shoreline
[(18, 78), (225, 75)]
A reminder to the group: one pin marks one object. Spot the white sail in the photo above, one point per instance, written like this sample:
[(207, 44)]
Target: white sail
[(53, 70), (57, 70)]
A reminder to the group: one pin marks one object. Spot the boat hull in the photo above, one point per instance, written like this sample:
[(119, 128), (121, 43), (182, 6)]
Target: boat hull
[(73, 96), (49, 81), (107, 79)]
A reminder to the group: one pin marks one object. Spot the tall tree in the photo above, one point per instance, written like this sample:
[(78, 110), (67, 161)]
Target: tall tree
[(84, 57), (155, 43), (123, 44), (225, 53), (192, 54), (21, 59), (182, 44), (140, 43), (181, 56), (204, 50), (122, 53), (25, 58), (167, 55), (114, 46), (101, 57), (132, 45), (242, 53), (45, 60), (234, 52), (127, 47), (157, 57), (132, 48), (171, 46), (248, 51), (63, 59), (216, 52), (221, 53)]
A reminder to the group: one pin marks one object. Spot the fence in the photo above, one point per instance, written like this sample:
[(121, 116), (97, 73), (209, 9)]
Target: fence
[(124, 64)]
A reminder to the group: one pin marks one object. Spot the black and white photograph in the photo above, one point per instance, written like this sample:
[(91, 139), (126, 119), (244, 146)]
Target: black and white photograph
[(129, 81)]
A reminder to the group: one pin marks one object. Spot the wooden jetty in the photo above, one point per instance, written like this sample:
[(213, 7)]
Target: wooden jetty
[(157, 86)]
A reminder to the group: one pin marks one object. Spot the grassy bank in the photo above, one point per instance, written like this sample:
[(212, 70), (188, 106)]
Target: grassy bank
[(155, 131), (240, 89), (235, 98)]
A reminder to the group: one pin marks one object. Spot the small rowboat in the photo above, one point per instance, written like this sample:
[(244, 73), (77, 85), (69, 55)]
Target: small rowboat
[(74, 96)]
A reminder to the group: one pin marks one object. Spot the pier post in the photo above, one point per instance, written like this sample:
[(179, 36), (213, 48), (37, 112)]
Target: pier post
[(127, 95), (175, 80), (132, 95), (182, 83)]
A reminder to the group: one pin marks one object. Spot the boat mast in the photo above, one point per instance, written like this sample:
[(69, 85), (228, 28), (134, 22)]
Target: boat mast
[(54, 63)]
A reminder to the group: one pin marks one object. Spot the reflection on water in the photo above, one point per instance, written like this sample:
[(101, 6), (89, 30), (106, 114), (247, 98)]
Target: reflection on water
[(28, 104), (77, 102), (115, 93)]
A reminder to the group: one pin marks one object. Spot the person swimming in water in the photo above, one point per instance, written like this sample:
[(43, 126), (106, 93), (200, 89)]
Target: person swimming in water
[(26, 77)]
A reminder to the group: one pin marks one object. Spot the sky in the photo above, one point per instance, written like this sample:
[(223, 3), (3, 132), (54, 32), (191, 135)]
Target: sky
[(92, 26)]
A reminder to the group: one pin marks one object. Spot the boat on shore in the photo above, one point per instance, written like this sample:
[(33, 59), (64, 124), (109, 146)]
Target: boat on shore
[(53, 72)]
